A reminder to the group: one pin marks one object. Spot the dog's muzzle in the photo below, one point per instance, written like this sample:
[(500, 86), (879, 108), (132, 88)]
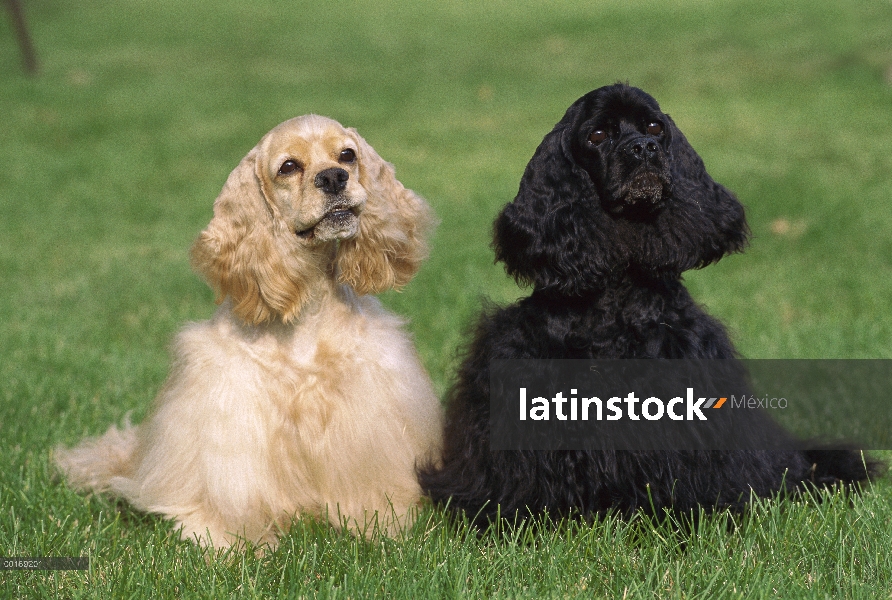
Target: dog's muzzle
[(646, 183), (340, 221)]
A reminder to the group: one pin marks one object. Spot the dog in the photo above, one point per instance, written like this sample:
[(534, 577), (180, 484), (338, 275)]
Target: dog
[(302, 395), (613, 207)]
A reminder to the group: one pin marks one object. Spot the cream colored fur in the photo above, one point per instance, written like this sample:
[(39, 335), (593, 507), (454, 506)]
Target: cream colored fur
[(299, 396)]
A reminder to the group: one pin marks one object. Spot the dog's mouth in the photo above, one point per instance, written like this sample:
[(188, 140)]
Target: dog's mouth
[(643, 195), (338, 222), (646, 188)]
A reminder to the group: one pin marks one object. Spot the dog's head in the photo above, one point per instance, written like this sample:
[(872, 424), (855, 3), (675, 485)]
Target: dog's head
[(623, 142), (309, 172), (313, 199), (615, 187)]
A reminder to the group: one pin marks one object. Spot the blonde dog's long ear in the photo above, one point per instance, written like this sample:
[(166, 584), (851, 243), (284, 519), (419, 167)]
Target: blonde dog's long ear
[(393, 226), (248, 253)]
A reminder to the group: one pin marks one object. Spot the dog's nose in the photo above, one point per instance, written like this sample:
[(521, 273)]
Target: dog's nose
[(332, 181), (642, 148)]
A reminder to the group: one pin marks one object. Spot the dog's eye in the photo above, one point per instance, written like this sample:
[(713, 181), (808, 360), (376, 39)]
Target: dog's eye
[(597, 136), (654, 128), (288, 167), (347, 156)]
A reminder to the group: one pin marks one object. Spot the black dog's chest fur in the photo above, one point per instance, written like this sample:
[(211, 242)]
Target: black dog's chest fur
[(633, 320)]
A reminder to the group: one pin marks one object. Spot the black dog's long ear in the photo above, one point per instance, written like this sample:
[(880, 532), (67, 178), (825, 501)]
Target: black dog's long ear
[(551, 236), (711, 215)]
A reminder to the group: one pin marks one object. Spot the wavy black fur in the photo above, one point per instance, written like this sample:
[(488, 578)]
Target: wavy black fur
[(602, 229)]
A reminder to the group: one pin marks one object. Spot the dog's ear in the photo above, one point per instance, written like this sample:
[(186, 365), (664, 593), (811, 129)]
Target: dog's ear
[(713, 218), (554, 234), (393, 226), (248, 253)]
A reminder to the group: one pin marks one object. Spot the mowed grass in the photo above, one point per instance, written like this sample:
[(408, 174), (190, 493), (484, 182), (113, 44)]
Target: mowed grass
[(111, 157)]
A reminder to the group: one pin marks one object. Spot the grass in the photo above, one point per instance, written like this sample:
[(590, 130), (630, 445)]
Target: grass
[(111, 157)]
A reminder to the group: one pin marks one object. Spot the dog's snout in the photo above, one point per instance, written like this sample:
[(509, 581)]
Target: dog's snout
[(332, 180), (642, 148)]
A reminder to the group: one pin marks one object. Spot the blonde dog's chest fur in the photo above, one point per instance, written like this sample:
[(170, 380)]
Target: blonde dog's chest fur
[(328, 416)]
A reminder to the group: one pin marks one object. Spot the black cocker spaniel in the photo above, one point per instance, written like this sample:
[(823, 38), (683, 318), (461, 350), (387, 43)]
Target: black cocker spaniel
[(613, 207)]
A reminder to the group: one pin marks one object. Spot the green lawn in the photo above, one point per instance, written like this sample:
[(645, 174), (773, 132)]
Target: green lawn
[(111, 157)]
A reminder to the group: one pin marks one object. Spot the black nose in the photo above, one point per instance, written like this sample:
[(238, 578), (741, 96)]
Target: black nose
[(332, 181), (642, 148)]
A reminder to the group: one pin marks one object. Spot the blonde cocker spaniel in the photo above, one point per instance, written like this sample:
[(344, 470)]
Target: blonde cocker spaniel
[(301, 395)]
